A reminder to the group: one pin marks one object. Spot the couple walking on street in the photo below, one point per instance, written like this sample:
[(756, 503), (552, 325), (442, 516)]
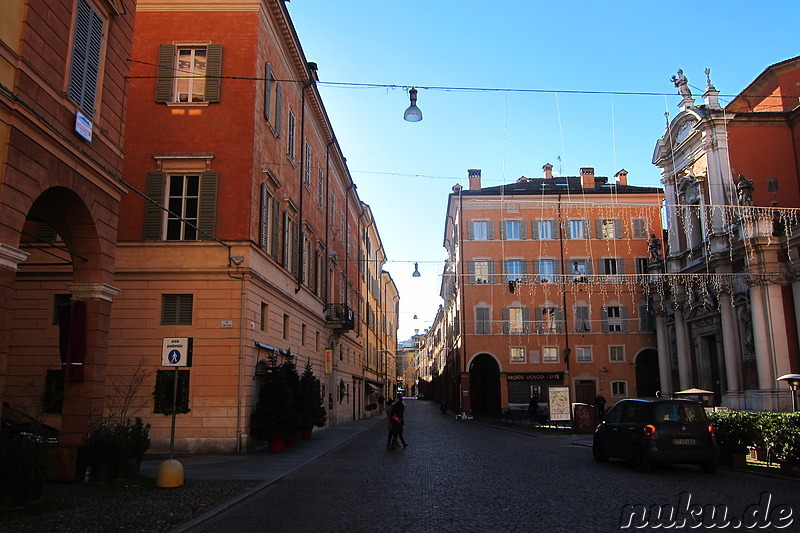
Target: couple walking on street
[(395, 419)]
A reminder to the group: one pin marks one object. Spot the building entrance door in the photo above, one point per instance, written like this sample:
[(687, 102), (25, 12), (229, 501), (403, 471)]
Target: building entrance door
[(648, 381), (585, 391), (484, 385)]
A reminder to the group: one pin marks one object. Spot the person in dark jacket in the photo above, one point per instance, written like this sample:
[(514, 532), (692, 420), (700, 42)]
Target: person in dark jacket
[(398, 418)]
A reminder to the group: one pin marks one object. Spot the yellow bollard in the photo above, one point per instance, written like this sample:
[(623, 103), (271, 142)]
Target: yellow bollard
[(170, 474)]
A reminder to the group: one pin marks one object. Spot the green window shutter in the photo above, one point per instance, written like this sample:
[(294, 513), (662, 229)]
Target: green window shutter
[(153, 214), (207, 219), (276, 213), (86, 49), (295, 249), (165, 73), (264, 223), (267, 91), (213, 72), (278, 102)]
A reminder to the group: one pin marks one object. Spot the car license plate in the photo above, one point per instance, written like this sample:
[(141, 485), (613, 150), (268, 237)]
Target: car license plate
[(683, 442)]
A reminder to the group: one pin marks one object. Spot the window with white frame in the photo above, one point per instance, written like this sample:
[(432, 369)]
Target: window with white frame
[(480, 230), (517, 354), (516, 322), (546, 270), (514, 270), (613, 318), (577, 229), (183, 202), (608, 229), (512, 229), (481, 271), (583, 354), (550, 354), (616, 354), (545, 229), (619, 388)]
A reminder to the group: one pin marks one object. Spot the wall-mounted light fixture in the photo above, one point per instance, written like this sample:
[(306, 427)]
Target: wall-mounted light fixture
[(413, 113)]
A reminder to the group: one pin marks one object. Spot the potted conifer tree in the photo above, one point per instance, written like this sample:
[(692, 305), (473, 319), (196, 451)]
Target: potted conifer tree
[(274, 415), (310, 404)]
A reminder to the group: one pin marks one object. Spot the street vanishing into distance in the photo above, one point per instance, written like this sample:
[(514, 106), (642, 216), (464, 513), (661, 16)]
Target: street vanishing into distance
[(465, 476)]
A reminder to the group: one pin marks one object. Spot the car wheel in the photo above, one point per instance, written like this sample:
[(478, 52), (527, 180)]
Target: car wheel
[(709, 467), (640, 462), (598, 454)]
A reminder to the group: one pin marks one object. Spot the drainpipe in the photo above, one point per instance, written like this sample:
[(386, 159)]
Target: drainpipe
[(301, 251), (240, 377)]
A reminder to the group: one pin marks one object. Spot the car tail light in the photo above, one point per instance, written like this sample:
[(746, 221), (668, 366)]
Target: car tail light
[(713, 435), (649, 432)]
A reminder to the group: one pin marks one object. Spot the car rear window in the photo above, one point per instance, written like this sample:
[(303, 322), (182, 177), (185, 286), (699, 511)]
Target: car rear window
[(684, 413)]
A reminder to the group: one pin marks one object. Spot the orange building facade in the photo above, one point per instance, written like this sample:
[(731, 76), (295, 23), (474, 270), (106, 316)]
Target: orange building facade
[(241, 233), (542, 293), (63, 68)]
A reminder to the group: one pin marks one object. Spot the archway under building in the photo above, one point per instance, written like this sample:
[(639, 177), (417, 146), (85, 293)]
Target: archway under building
[(484, 385), (648, 380)]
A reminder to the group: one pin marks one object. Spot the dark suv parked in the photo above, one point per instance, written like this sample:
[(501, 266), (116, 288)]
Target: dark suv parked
[(657, 431)]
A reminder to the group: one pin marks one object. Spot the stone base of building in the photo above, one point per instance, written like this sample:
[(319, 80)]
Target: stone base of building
[(767, 400)]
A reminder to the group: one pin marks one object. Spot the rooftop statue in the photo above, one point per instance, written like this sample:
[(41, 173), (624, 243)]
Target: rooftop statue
[(682, 84)]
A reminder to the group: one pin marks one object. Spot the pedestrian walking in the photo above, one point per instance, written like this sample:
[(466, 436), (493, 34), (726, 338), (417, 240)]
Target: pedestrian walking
[(398, 421), (533, 405), (389, 425), (600, 405)]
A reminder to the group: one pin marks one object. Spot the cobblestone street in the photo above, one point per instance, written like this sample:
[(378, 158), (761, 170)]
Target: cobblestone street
[(463, 476)]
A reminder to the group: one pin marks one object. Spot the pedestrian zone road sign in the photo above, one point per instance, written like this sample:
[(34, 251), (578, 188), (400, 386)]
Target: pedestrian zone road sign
[(176, 351)]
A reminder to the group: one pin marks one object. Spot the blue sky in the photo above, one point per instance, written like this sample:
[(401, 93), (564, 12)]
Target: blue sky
[(536, 54)]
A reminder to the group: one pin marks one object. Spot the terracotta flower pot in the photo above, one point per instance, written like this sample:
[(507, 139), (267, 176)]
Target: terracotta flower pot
[(306, 435), (276, 445)]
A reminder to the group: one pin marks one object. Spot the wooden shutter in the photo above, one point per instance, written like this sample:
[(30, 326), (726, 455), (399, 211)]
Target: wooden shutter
[(639, 231), (267, 91), (598, 228), (538, 318), (165, 73), (620, 266), (490, 230), (86, 47), (604, 318), (153, 214), (295, 249), (623, 315), (534, 229), (523, 230), (559, 320), (213, 73), (567, 228), (471, 270), (506, 318), (601, 267), (492, 270), (526, 320), (470, 230), (482, 320), (207, 218), (276, 228), (263, 234), (617, 228), (503, 224), (278, 103)]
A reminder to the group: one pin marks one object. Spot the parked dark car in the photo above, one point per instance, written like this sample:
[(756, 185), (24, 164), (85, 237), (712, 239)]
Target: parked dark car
[(657, 431)]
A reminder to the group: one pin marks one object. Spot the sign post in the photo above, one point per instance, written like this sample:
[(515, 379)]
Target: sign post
[(175, 352)]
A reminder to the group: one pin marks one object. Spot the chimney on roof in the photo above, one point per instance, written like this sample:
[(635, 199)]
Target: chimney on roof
[(622, 177), (548, 171), (587, 177), (474, 179)]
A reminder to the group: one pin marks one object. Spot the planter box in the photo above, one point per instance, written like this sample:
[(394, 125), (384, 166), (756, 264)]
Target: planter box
[(758, 453)]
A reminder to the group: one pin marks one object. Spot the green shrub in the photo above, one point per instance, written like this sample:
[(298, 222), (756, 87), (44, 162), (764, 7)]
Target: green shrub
[(23, 466), (736, 430), (113, 442), (782, 436)]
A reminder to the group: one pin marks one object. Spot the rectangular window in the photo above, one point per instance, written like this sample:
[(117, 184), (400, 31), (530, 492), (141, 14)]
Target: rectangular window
[(517, 354), (639, 227), (316, 341), (190, 75), (481, 271), (583, 354), (641, 265), (307, 164), (515, 320), (285, 331), (303, 335), (619, 388), (549, 320), (514, 270), (610, 266), (550, 354), (772, 184), (582, 320), (577, 229), (264, 316), (616, 354), (613, 318), (546, 270), (176, 309), (483, 322), (545, 228), (512, 229), (87, 44), (480, 230), (607, 229), (290, 136), (183, 202)]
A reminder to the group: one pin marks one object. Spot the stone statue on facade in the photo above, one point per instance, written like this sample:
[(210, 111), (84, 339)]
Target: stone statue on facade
[(744, 190), (654, 247), (682, 83)]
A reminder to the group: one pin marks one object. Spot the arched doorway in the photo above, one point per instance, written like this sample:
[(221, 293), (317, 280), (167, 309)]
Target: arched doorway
[(648, 381), (484, 385)]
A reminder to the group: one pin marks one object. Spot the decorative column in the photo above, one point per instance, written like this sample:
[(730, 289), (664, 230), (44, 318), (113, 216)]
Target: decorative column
[(10, 257), (664, 356), (682, 342), (730, 344)]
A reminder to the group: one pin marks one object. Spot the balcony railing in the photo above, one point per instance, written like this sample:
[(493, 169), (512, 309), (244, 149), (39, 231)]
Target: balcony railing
[(340, 317)]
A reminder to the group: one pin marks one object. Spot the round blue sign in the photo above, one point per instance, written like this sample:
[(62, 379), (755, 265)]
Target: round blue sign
[(174, 357)]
